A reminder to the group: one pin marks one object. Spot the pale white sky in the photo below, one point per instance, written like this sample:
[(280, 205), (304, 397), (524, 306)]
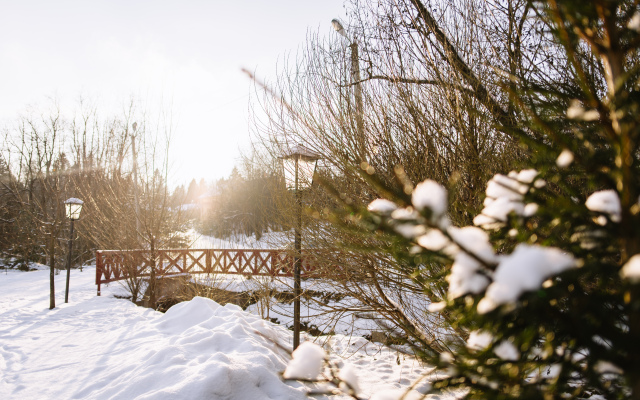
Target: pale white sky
[(185, 52)]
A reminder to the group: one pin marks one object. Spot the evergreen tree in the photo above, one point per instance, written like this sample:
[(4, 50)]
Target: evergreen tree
[(545, 288)]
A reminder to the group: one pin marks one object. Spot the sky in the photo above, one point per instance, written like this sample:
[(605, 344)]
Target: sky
[(182, 56)]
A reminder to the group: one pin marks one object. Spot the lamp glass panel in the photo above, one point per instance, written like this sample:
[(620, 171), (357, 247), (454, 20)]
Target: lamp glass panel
[(73, 210), (306, 170), (289, 173)]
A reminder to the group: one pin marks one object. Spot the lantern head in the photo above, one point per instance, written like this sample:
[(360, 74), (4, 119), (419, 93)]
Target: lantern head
[(299, 167), (73, 207)]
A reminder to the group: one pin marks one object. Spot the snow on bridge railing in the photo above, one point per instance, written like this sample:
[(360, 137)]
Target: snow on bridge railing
[(115, 265)]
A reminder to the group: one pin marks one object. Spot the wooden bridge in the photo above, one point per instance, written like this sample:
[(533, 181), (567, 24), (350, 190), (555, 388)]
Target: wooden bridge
[(115, 265)]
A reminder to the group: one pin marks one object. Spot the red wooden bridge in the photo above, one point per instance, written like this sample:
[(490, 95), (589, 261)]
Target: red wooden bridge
[(115, 265)]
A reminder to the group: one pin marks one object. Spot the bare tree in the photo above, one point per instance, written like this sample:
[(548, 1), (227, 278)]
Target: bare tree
[(432, 98), (51, 157)]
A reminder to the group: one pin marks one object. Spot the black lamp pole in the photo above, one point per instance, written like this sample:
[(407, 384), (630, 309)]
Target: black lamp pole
[(73, 207), (66, 293), (52, 261), (299, 154), (296, 266)]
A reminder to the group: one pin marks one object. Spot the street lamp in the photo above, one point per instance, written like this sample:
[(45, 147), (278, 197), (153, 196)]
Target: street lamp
[(299, 167), (73, 207), (337, 25), (355, 80)]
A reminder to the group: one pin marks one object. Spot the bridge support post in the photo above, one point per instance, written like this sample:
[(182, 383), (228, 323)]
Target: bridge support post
[(98, 270)]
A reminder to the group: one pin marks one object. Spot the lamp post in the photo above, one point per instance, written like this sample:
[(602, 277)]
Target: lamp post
[(355, 79), (72, 207), (299, 167)]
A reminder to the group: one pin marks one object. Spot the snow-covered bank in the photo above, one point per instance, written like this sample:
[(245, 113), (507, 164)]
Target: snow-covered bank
[(105, 348), (315, 313), (102, 347)]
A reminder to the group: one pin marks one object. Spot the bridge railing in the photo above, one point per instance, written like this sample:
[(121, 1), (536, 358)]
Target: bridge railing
[(115, 265)]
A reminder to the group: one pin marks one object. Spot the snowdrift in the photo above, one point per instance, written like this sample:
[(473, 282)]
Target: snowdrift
[(105, 348)]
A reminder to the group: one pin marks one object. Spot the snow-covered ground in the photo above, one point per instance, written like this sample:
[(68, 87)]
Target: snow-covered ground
[(108, 348), (269, 240), (315, 313)]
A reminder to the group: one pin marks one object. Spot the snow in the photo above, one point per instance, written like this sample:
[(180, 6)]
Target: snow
[(404, 222), (576, 111), (307, 362), (539, 183), (467, 246), (433, 240), (104, 348), (606, 367), (530, 209), (479, 340), (410, 230), (269, 240), (382, 206), (430, 195), (505, 195), (526, 175), (317, 311), (349, 376), (564, 159), (437, 307), (378, 367), (12, 264), (631, 269), (73, 200), (498, 210), (395, 394), (473, 240), (506, 186), (486, 221), (447, 357), (404, 214), (507, 351), (523, 270), (606, 202), (634, 22), (465, 277)]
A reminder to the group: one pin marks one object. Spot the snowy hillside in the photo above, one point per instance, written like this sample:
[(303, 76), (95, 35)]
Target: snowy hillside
[(107, 348)]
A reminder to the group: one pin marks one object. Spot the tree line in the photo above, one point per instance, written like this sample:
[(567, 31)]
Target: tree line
[(49, 156)]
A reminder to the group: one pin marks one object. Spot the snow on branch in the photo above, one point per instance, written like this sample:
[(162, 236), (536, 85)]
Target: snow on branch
[(523, 270), (606, 202), (505, 195), (476, 268)]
